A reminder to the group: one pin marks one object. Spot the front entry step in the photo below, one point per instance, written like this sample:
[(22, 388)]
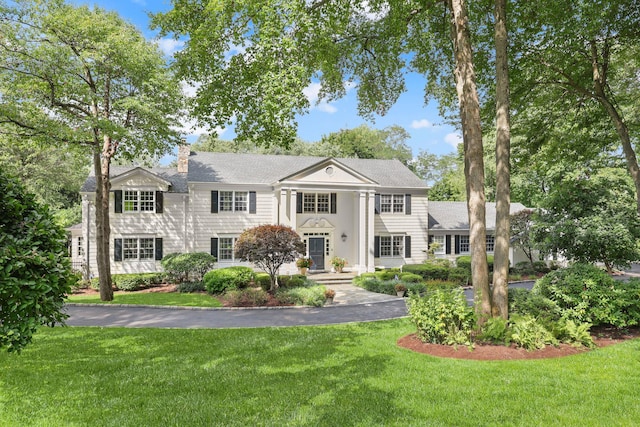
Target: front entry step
[(323, 278)]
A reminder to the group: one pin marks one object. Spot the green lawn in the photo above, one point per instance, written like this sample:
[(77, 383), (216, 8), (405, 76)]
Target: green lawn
[(152, 298), (347, 375)]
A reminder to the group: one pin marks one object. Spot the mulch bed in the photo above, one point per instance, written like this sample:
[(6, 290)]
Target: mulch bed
[(602, 337)]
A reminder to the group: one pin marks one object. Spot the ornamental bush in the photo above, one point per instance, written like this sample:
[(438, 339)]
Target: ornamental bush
[(190, 266), (35, 273), (229, 278), (586, 294), (442, 317)]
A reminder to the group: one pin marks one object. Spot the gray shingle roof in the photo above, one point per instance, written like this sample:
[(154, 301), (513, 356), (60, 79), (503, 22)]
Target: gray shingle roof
[(178, 180), (232, 168), (453, 215)]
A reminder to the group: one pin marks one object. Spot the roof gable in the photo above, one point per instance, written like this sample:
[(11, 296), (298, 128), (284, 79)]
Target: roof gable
[(328, 171), (139, 176)]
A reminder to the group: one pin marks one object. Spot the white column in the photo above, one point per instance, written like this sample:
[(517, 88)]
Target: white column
[(362, 232), (371, 218), (292, 210), (282, 207)]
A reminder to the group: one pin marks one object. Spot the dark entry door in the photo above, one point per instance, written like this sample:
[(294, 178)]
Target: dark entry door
[(316, 252)]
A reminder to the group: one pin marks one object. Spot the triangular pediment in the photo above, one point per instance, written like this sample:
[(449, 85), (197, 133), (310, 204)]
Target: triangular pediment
[(328, 172), (139, 177)]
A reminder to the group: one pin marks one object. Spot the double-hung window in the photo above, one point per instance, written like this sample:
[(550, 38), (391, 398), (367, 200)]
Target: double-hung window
[(391, 246), (316, 203), (464, 244), (234, 201), (437, 244), (392, 203), (491, 243), (138, 248), (226, 248), (139, 201)]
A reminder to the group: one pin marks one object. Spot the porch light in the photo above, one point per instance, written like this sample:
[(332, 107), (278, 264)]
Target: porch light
[(344, 237)]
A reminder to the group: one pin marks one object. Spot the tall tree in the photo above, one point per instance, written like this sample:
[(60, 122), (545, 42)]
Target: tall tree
[(254, 61), (79, 76), (499, 296), (576, 56)]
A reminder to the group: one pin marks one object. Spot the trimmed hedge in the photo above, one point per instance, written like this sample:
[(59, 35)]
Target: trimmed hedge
[(229, 278), (132, 282), (464, 261), (190, 266)]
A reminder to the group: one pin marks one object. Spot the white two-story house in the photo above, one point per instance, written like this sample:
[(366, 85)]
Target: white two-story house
[(370, 212)]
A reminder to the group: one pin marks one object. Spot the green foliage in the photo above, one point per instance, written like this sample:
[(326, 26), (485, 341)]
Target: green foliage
[(464, 261), (585, 294), (313, 295), (411, 278), (459, 275), (494, 330), (428, 270), (188, 266), (442, 317), (528, 333), (263, 280), (527, 303), (229, 278), (576, 334), (590, 216), (35, 274), (292, 281), (190, 287), (137, 281), (249, 297), (269, 247)]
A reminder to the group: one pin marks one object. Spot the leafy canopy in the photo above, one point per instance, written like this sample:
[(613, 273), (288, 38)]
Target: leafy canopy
[(269, 247)]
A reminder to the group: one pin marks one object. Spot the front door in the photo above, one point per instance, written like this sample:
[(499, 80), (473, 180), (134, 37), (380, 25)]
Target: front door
[(316, 252)]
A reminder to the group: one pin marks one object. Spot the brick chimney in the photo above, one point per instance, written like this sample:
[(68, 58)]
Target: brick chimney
[(184, 151)]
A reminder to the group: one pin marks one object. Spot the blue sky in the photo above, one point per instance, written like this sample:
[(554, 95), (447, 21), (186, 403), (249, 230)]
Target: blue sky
[(422, 122)]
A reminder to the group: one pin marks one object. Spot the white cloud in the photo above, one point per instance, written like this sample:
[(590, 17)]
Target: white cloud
[(453, 139), (420, 124), (169, 46), (312, 93)]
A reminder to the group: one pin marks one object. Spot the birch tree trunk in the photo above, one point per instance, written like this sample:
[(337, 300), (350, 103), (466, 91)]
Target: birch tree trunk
[(499, 296), (473, 154)]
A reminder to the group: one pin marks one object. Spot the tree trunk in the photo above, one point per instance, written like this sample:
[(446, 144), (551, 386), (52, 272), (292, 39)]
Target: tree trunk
[(473, 154), (103, 229), (499, 296)]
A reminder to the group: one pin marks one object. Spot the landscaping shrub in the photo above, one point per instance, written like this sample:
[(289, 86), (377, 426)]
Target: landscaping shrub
[(313, 296), (586, 294), (189, 287), (524, 268), (440, 284), (530, 334), (428, 270), (495, 330), (464, 261), (187, 266), (137, 281), (249, 297), (410, 278), (229, 278), (442, 317), (527, 303), (263, 280), (292, 281), (388, 274), (459, 275)]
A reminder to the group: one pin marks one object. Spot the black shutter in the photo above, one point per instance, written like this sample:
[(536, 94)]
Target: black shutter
[(214, 202), (252, 202), (407, 204), (430, 239), (159, 201), (407, 246), (447, 243), (334, 203), (299, 203), (214, 247), (118, 201), (117, 249), (376, 246), (377, 204), (457, 244), (158, 248)]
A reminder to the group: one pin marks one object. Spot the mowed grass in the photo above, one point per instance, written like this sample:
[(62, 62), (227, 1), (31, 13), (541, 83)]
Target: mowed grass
[(151, 298), (346, 375)]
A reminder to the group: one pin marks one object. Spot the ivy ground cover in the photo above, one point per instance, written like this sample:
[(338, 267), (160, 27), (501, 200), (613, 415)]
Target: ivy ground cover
[(347, 375)]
